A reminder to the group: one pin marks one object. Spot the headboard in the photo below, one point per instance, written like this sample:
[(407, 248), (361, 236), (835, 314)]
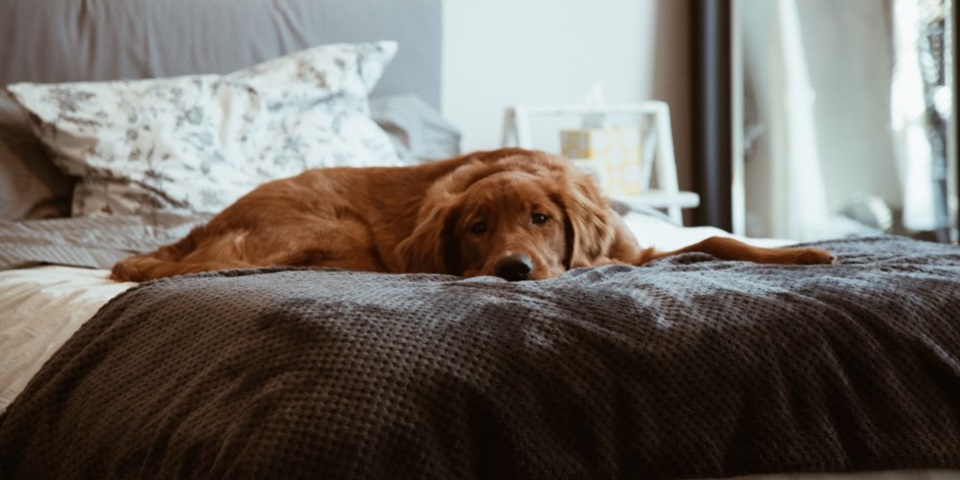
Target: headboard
[(59, 41), (97, 40)]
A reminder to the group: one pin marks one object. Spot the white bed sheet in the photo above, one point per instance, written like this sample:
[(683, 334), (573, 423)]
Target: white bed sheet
[(40, 308), (665, 235)]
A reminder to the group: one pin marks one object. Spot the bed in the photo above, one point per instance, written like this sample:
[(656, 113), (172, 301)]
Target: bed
[(684, 368)]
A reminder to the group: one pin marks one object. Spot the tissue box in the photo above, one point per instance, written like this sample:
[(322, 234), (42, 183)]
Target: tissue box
[(612, 155)]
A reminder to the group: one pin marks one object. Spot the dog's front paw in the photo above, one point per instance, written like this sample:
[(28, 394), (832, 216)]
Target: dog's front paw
[(814, 256)]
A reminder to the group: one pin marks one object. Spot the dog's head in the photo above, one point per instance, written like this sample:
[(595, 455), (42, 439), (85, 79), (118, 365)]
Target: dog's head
[(525, 216)]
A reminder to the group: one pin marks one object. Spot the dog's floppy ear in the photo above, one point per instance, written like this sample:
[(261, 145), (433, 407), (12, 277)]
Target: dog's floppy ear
[(428, 249), (589, 230)]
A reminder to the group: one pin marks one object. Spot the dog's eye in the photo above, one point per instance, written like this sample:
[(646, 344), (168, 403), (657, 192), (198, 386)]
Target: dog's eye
[(539, 218), (478, 228)]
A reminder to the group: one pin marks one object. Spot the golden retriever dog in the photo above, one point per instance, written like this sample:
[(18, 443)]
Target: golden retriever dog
[(513, 213)]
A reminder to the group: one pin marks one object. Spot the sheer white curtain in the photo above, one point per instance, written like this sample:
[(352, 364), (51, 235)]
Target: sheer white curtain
[(907, 114), (799, 195), (785, 193), (838, 99)]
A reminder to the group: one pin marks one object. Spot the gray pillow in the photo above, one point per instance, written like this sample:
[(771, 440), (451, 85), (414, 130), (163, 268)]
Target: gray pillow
[(31, 186), (418, 131)]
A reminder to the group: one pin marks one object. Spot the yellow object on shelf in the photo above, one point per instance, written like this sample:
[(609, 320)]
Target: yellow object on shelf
[(616, 152)]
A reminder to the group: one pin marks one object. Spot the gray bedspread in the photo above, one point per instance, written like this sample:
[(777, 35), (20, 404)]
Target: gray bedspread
[(93, 242), (686, 367)]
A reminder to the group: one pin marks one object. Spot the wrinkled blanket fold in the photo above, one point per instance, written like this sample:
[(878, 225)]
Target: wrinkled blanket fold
[(686, 367)]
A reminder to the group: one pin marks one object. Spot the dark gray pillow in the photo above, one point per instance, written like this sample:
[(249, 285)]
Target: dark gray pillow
[(418, 131), (31, 186)]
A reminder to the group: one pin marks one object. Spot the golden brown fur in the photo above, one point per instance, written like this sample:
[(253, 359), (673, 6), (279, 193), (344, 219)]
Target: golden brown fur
[(513, 213)]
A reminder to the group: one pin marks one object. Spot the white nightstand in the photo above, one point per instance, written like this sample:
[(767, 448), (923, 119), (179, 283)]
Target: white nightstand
[(667, 196)]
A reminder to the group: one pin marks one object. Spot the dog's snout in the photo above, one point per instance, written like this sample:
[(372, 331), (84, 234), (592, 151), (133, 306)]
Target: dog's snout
[(514, 268)]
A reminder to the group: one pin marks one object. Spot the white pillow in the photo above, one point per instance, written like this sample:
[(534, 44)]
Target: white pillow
[(197, 143)]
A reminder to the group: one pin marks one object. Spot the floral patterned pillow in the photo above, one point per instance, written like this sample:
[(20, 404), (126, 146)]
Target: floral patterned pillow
[(197, 143)]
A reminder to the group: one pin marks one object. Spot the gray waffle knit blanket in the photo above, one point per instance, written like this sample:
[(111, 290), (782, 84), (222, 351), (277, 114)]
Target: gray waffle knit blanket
[(685, 367)]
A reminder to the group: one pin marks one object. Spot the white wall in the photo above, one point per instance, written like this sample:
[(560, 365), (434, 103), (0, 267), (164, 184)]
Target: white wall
[(505, 52)]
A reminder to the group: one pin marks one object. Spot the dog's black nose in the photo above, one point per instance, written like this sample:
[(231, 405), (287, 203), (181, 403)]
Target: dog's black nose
[(513, 268)]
